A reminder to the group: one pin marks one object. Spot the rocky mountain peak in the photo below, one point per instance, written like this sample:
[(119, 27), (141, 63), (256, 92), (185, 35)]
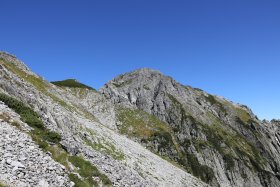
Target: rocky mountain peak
[(200, 124), (137, 77)]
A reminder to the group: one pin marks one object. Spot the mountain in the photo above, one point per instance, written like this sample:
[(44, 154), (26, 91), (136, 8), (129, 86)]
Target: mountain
[(220, 142), (141, 129)]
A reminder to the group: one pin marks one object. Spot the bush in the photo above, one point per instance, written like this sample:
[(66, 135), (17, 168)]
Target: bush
[(51, 136)]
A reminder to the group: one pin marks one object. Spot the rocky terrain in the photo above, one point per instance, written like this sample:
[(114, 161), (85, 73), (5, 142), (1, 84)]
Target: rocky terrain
[(22, 163), (141, 129), (80, 134)]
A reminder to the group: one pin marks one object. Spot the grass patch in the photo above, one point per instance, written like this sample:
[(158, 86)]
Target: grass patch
[(213, 101), (106, 148), (71, 83), (37, 82), (242, 114), (26, 113), (30, 117), (58, 154), (138, 123), (122, 83), (147, 129), (2, 185), (87, 171), (234, 144)]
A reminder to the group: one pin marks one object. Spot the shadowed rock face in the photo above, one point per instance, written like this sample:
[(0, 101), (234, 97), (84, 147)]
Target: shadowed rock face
[(216, 140)]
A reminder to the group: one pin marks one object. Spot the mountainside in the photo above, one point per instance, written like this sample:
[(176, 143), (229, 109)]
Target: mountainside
[(141, 129), (220, 142)]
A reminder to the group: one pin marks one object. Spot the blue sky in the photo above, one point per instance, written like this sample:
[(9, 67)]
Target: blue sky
[(229, 48)]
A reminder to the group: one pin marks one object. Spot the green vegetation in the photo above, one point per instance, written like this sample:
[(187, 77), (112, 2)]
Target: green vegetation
[(2, 185), (192, 165), (229, 161), (138, 123), (243, 114), (229, 143), (203, 172), (146, 128), (107, 148), (37, 82), (146, 87), (235, 146), (198, 89), (30, 117), (51, 136), (122, 84), (87, 171), (213, 101), (27, 114), (71, 83), (16, 124)]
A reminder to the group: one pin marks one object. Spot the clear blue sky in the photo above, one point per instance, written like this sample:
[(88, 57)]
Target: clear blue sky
[(228, 47)]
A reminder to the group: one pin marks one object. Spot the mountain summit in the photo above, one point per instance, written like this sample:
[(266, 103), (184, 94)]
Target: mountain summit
[(141, 129)]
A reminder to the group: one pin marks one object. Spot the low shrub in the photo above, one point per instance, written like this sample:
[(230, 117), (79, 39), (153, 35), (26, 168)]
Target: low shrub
[(52, 137), (87, 171)]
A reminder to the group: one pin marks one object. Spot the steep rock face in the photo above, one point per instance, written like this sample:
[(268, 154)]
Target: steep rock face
[(216, 140), (79, 122)]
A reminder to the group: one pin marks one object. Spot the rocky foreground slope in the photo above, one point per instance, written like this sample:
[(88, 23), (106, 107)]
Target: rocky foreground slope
[(141, 129)]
